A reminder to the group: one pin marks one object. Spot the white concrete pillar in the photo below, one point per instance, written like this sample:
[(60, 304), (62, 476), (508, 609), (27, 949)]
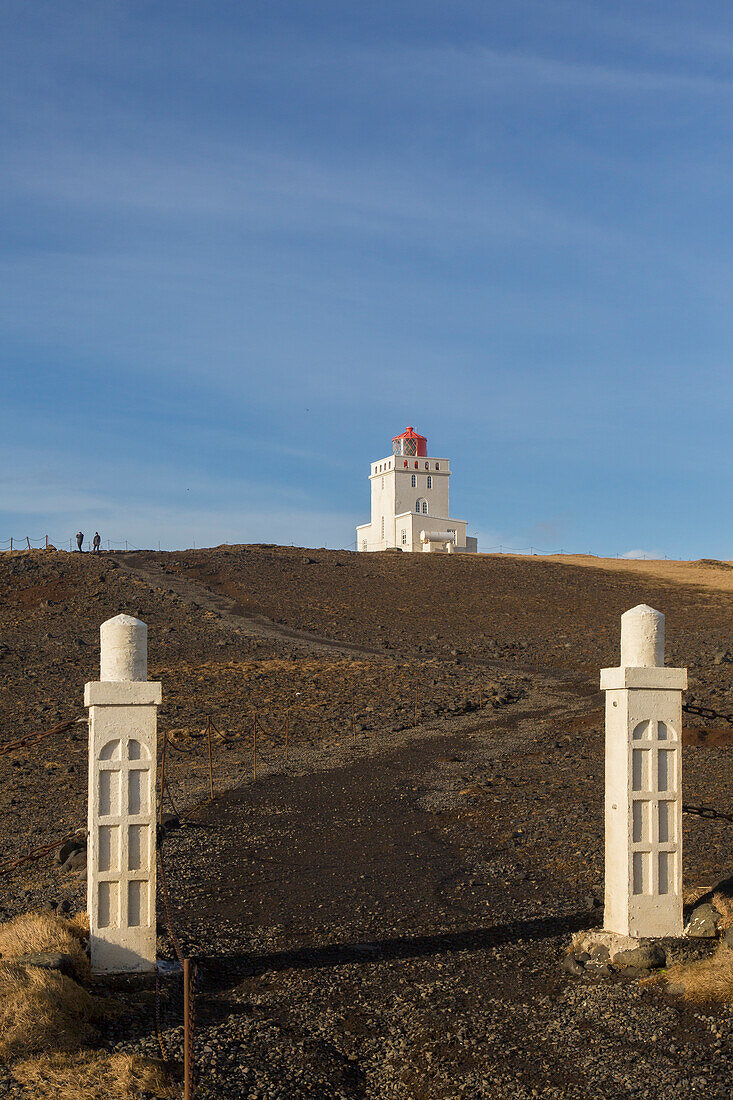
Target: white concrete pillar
[(121, 856), (643, 783)]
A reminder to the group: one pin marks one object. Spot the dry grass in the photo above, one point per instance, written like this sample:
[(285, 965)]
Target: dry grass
[(707, 981), (43, 1010), (89, 1076), (47, 1018), (31, 933), (720, 897), (692, 897), (723, 901)]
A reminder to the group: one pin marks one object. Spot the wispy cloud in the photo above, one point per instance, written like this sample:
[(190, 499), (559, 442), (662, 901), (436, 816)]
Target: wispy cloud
[(652, 555)]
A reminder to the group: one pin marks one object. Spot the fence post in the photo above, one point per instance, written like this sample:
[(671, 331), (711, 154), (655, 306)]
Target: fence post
[(122, 762), (162, 777), (11, 542), (211, 769), (27, 539), (643, 783), (188, 1025)]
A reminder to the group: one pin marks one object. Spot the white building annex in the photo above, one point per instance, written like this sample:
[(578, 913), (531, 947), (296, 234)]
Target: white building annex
[(410, 503)]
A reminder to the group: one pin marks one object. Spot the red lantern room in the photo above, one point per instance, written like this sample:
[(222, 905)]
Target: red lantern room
[(410, 444)]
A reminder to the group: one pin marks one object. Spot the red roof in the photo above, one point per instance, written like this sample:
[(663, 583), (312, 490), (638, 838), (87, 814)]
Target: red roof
[(410, 433)]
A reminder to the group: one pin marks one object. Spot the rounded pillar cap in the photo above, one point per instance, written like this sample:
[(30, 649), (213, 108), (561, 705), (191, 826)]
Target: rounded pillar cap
[(642, 638), (123, 649)]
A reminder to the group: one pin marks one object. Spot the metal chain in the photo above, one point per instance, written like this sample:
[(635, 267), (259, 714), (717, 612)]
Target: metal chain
[(706, 812), (31, 739), (706, 712), (38, 853)]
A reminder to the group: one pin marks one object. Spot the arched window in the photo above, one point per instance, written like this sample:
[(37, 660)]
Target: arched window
[(424, 507), (414, 480), (430, 481), (417, 506)]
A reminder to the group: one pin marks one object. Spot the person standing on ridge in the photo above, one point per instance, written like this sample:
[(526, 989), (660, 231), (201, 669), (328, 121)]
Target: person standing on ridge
[(79, 540), (96, 541)]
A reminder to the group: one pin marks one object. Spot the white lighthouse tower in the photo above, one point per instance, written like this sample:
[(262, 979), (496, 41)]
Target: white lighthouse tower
[(410, 502)]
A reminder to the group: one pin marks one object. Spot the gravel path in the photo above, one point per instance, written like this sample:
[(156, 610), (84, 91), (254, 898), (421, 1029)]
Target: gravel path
[(359, 934)]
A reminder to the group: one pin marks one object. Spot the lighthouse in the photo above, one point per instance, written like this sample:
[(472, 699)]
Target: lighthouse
[(410, 502)]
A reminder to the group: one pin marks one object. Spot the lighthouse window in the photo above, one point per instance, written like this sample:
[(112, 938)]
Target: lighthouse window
[(425, 507), (437, 465), (382, 482), (404, 538), (430, 482), (417, 506), (414, 480), (382, 526), (363, 544)]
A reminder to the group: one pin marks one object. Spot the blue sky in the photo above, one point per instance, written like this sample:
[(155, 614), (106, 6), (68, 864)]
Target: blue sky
[(243, 244)]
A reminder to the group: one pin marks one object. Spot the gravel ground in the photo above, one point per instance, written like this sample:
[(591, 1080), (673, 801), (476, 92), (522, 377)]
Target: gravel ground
[(382, 916)]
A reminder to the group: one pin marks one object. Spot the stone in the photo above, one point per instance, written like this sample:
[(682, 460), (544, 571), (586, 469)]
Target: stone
[(121, 819), (647, 956), (76, 860), (570, 965), (69, 847), (50, 960), (625, 953), (643, 801), (703, 923)]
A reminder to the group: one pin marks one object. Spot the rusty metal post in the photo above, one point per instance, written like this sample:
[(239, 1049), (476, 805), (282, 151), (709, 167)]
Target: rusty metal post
[(211, 769), (27, 539), (162, 777), (11, 543), (188, 1003), (47, 542)]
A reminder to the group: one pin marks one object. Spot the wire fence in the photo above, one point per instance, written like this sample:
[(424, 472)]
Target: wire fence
[(68, 543)]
